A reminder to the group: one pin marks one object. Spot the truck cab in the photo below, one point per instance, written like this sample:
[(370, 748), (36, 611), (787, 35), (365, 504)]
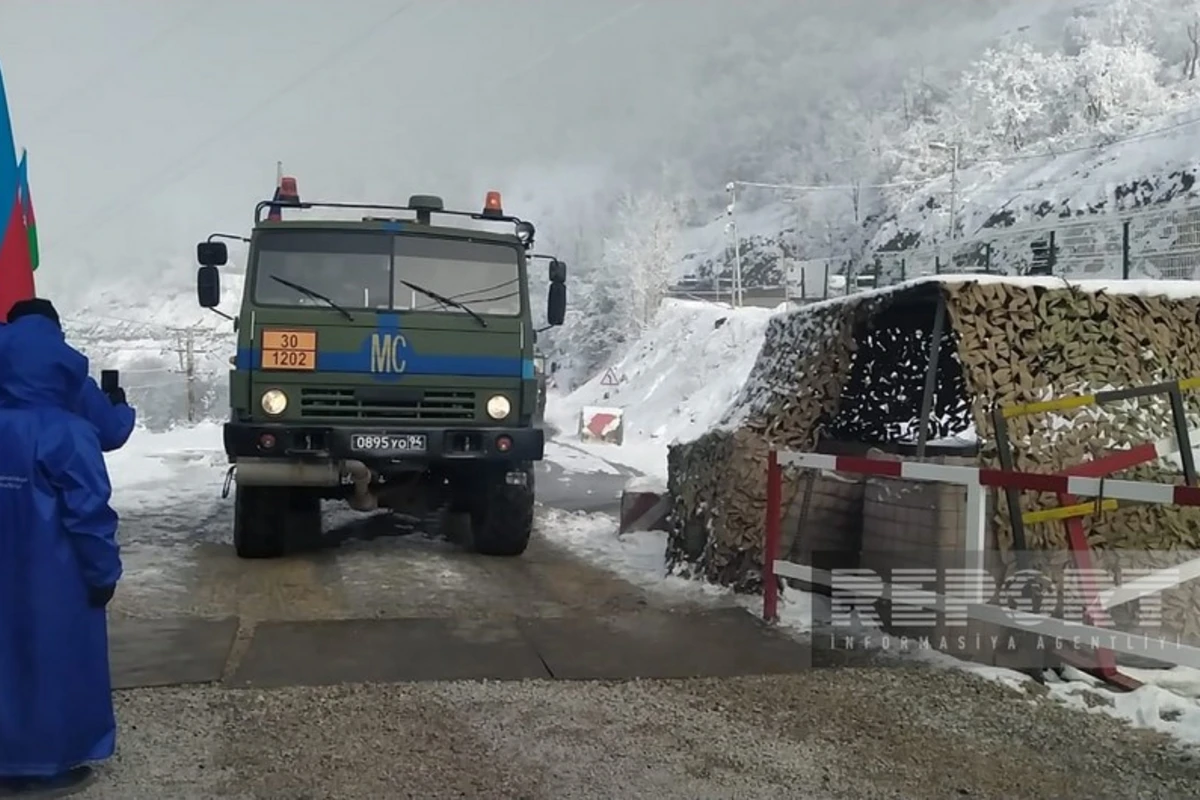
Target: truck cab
[(384, 360)]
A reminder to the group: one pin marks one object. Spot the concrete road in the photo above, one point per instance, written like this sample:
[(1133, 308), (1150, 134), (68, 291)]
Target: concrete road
[(316, 676), (596, 491)]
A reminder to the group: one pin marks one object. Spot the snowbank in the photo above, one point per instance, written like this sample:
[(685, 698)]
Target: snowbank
[(674, 383), (646, 483), (184, 462), (639, 557)]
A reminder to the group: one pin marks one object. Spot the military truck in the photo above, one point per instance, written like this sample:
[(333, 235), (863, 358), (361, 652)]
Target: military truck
[(539, 371), (385, 360)]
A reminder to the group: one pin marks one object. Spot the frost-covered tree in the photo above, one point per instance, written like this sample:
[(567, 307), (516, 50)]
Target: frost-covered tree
[(1117, 22), (1015, 97), (642, 252), (1115, 83), (1010, 98), (581, 345)]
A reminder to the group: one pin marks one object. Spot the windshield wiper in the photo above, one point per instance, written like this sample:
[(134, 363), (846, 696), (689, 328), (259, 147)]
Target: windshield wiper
[(446, 301), (314, 295)]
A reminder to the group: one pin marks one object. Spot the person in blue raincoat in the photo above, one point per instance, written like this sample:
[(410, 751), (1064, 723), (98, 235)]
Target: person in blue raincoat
[(112, 415), (59, 566)]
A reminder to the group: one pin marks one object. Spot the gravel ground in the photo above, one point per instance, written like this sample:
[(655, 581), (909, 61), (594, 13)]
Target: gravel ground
[(909, 733), (847, 733)]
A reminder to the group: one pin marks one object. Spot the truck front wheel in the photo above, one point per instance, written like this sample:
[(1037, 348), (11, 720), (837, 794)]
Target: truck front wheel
[(267, 518), (502, 511)]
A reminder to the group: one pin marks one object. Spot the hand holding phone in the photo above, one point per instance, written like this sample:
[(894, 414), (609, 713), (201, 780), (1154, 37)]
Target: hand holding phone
[(110, 384)]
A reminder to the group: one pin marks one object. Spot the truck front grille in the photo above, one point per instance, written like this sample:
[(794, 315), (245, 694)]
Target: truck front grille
[(387, 403)]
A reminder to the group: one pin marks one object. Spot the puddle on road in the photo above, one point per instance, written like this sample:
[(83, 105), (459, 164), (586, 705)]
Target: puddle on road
[(155, 580)]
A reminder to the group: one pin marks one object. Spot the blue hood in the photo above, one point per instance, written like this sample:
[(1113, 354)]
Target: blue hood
[(38, 369)]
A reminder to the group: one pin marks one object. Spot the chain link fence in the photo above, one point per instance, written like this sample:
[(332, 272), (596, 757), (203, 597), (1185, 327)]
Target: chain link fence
[(1152, 243)]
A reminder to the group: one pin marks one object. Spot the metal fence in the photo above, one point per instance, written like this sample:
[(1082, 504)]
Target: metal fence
[(1150, 243), (761, 296)]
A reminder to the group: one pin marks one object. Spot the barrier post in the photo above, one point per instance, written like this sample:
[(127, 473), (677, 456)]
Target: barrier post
[(931, 373), (771, 538), (1004, 454), (1000, 415), (1182, 435)]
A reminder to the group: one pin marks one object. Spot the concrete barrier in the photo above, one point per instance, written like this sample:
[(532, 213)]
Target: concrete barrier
[(644, 511), (602, 424)]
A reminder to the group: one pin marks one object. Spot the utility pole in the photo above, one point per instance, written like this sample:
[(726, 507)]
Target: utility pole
[(731, 226), (186, 349), (190, 357), (731, 210), (952, 149)]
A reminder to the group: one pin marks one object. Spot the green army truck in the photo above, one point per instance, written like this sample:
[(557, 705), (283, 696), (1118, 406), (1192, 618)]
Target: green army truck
[(385, 360), (539, 371)]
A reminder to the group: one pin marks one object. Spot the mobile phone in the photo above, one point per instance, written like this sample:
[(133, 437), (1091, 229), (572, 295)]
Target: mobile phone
[(110, 380)]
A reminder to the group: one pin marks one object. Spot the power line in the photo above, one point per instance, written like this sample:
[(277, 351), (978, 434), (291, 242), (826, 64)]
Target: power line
[(144, 324), (158, 183), (820, 187), (376, 28), (97, 76)]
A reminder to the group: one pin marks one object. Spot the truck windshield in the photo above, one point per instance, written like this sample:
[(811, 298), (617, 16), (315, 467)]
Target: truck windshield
[(365, 270), (351, 269), (480, 275)]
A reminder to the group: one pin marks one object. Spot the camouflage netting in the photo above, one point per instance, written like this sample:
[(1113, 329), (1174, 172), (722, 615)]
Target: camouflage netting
[(853, 370)]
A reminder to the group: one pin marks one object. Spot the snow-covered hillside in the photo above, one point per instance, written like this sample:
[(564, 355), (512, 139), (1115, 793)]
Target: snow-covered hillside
[(674, 383), (1084, 197), (1075, 136)]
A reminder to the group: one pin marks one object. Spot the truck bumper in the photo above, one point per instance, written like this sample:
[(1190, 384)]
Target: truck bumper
[(323, 443)]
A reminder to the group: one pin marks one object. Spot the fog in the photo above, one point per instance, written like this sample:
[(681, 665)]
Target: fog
[(152, 123)]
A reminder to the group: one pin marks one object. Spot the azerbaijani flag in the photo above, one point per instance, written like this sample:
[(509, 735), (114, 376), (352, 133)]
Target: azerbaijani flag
[(26, 200), (18, 234)]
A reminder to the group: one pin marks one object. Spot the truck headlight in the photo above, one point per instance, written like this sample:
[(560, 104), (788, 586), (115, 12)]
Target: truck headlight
[(274, 402), (498, 406)]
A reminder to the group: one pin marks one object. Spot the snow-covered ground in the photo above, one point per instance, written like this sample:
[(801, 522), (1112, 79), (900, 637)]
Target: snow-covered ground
[(673, 384), (188, 459)]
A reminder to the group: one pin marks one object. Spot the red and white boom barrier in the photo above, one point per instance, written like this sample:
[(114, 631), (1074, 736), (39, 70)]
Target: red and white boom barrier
[(975, 479)]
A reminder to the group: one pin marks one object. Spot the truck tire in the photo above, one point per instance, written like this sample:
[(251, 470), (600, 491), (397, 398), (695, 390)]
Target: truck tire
[(267, 518), (502, 514)]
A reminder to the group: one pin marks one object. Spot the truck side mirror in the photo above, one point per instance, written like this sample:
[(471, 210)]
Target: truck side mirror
[(558, 271), (212, 254), (208, 286), (556, 304)]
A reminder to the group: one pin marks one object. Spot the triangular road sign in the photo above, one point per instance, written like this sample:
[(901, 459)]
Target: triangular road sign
[(610, 378)]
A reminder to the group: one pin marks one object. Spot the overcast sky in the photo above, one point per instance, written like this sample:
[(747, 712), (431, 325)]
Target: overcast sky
[(151, 123)]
